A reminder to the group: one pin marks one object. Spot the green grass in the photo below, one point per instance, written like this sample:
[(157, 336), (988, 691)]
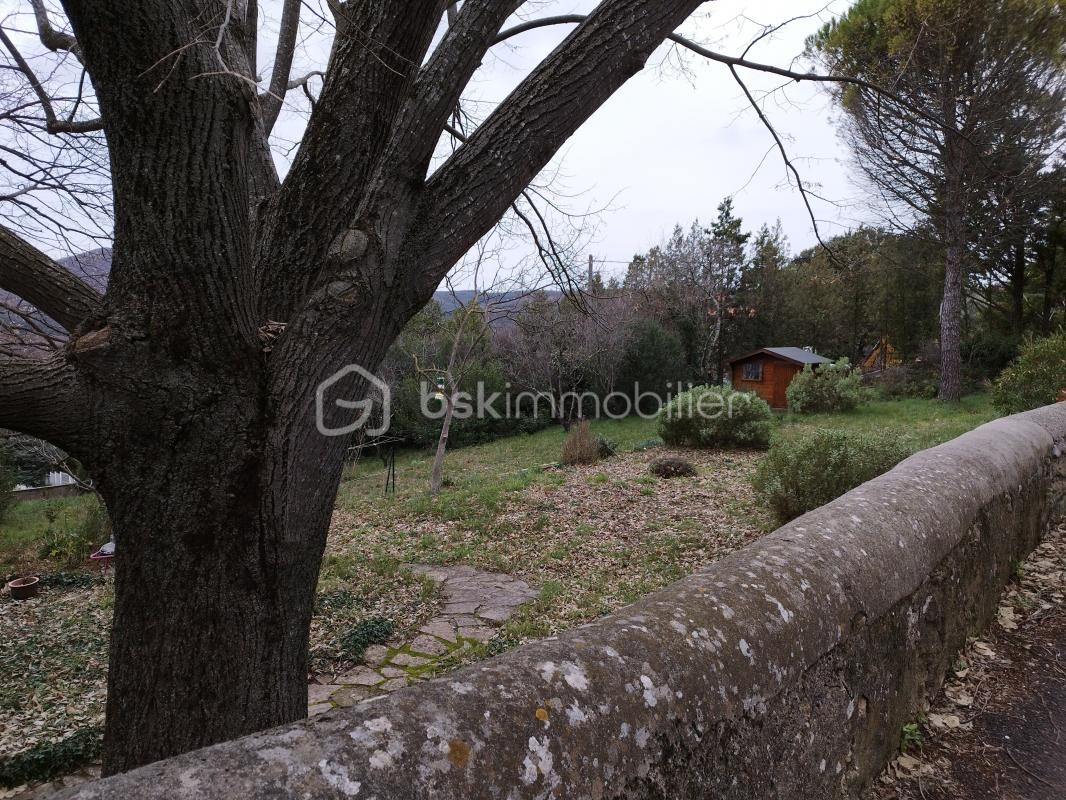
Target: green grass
[(918, 423), (24, 525)]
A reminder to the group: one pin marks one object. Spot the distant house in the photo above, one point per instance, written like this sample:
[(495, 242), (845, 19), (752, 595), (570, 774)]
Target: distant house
[(768, 371)]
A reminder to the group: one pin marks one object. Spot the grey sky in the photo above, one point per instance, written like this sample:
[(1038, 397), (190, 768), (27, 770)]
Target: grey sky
[(667, 147), (674, 141)]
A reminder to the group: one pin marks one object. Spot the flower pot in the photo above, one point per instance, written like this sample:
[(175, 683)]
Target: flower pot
[(24, 588)]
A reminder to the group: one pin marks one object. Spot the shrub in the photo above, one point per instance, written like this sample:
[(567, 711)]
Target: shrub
[(49, 759), (672, 467), (914, 380), (410, 423), (375, 630), (606, 447), (802, 473), (654, 360), (1034, 378), (75, 532), (832, 387), (716, 416), (581, 447)]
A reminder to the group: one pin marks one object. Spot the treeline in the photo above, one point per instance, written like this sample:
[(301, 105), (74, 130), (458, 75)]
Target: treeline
[(714, 291)]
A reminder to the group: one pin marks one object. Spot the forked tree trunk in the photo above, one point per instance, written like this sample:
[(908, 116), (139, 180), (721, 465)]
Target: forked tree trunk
[(220, 501)]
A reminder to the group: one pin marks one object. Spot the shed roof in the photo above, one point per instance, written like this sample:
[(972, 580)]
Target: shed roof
[(796, 355)]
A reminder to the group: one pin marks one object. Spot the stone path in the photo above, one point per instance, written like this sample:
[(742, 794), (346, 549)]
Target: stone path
[(475, 604)]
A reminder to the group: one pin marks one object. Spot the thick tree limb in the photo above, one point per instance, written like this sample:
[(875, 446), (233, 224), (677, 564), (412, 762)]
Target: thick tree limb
[(441, 82), (28, 273), (476, 185), (732, 61), (41, 397), (377, 53)]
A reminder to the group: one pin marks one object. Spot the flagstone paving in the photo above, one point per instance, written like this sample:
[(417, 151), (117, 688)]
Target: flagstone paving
[(475, 604)]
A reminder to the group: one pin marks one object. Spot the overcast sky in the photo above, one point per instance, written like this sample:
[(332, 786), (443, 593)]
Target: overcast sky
[(670, 144)]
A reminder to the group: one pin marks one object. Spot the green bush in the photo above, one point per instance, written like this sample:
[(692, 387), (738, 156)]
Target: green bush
[(50, 759), (607, 447), (911, 381), (802, 473), (410, 423), (654, 361), (75, 532), (375, 630), (716, 416), (832, 387), (672, 467), (1034, 378)]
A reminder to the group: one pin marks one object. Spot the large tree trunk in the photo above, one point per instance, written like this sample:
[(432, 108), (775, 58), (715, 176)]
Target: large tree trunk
[(220, 496), (956, 243), (210, 624), (951, 325)]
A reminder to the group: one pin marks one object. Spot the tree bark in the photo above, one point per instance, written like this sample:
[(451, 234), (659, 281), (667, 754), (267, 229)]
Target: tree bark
[(951, 307), (220, 497)]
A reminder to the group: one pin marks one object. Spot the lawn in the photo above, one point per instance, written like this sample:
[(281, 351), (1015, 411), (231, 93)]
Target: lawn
[(587, 539)]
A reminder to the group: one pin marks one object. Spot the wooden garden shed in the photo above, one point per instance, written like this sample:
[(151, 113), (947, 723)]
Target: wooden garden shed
[(768, 371)]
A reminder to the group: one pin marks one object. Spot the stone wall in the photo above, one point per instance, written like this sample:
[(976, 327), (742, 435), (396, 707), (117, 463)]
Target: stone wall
[(785, 670), (47, 492)]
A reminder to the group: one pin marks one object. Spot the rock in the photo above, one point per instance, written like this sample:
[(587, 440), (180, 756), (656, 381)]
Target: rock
[(364, 676), (350, 695), (496, 613), (440, 628), (318, 693), (479, 633), (375, 654), (408, 660), (318, 708), (428, 645)]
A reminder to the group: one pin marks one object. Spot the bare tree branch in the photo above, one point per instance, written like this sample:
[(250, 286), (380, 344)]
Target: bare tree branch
[(51, 38), (272, 101), (31, 275), (54, 124), (483, 177)]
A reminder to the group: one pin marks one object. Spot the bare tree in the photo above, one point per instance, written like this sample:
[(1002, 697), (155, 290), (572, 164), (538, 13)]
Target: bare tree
[(188, 388), (497, 291)]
